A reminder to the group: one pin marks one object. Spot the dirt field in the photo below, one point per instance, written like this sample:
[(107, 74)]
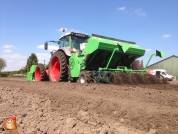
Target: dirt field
[(71, 108)]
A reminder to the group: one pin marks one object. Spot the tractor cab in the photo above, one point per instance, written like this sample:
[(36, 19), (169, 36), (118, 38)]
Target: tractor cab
[(70, 43), (76, 42)]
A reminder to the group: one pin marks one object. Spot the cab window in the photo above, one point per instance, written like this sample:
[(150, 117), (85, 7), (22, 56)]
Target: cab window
[(66, 41), (61, 42), (76, 41)]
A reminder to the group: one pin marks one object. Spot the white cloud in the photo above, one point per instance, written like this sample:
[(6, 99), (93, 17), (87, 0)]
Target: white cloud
[(9, 60), (14, 61), (139, 12), (8, 46), (22, 61), (14, 56), (121, 8), (40, 46), (147, 50), (50, 47), (166, 36), (42, 57), (14, 66), (132, 11), (7, 50)]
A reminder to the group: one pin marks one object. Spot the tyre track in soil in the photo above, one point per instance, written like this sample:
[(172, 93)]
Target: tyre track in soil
[(150, 108)]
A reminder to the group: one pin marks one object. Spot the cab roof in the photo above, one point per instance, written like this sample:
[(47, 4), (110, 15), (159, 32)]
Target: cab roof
[(75, 34)]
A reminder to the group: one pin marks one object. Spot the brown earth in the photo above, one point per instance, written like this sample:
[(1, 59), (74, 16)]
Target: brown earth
[(72, 108)]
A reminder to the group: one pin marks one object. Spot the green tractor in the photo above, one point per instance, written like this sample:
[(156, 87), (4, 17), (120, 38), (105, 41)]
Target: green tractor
[(99, 59)]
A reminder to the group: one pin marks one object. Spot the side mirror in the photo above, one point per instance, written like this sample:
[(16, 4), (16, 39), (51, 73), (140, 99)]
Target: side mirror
[(46, 46)]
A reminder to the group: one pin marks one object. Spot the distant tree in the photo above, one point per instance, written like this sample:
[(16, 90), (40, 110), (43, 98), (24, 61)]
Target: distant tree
[(2, 64), (136, 65), (32, 60)]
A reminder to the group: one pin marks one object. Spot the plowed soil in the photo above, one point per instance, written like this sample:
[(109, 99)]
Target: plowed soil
[(72, 108)]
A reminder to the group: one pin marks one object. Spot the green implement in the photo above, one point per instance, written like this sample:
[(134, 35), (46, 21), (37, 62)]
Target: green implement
[(99, 59)]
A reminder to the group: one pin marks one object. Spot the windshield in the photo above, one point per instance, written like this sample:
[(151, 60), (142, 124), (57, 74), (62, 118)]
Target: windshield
[(76, 41)]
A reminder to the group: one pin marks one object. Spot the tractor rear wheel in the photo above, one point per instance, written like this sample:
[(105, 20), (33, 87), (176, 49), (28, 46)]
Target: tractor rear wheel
[(40, 73), (84, 77), (58, 69)]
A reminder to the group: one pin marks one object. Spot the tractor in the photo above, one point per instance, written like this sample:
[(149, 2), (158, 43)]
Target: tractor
[(94, 59)]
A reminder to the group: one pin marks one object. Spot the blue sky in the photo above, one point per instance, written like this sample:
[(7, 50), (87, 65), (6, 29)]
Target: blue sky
[(25, 25)]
